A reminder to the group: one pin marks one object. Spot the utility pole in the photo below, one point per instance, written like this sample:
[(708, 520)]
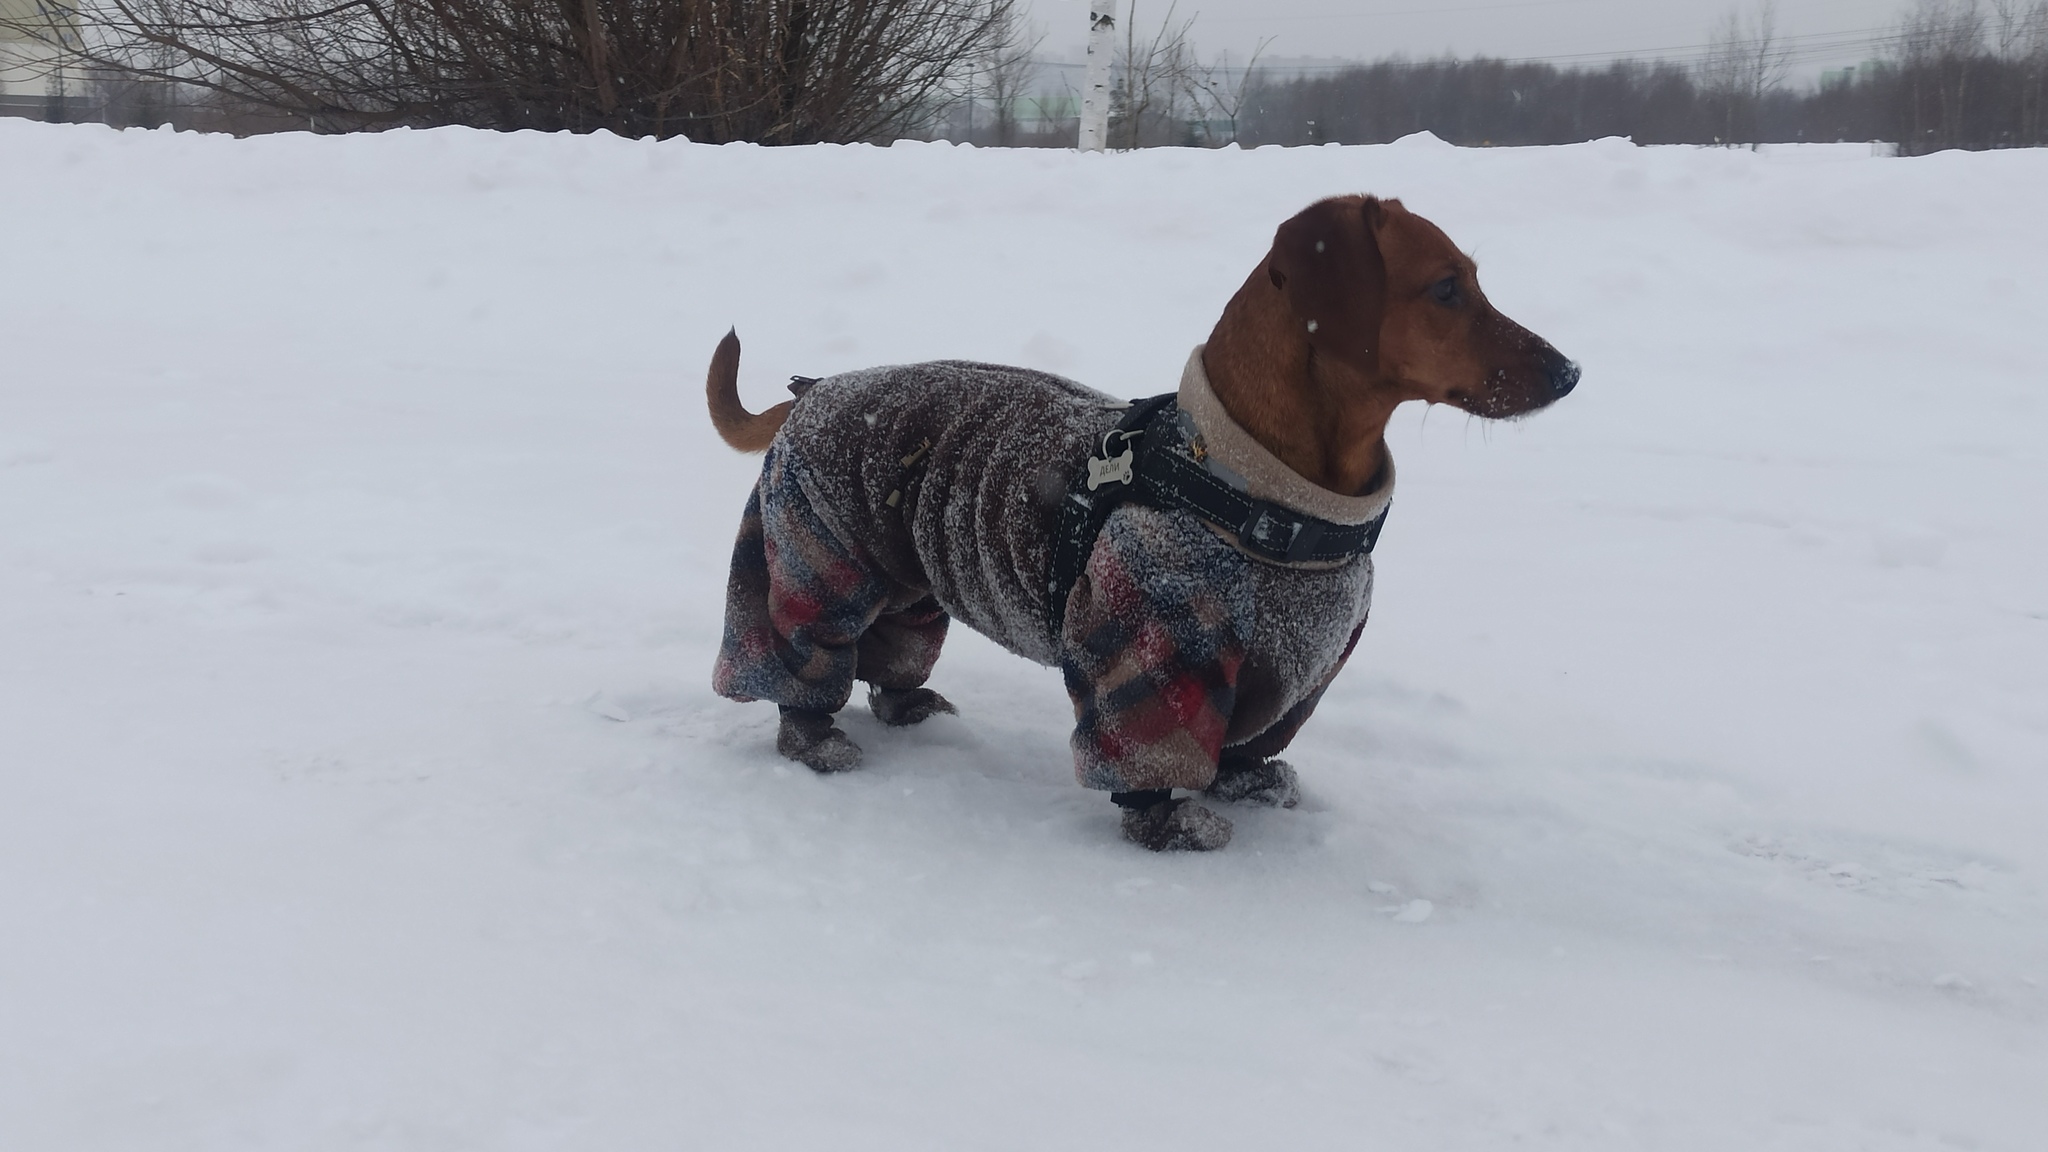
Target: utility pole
[(1095, 95)]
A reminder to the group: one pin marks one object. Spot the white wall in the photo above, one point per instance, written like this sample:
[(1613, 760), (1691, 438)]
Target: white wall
[(24, 61)]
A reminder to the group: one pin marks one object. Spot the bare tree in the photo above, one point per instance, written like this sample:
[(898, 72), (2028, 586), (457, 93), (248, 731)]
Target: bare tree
[(2020, 33), (2006, 26), (778, 71), (1217, 88), (1743, 62), (2019, 30), (1938, 45), (2031, 50), (1150, 72), (1006, 70)]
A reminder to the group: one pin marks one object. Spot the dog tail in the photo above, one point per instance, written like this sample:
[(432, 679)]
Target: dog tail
[(744, 430)]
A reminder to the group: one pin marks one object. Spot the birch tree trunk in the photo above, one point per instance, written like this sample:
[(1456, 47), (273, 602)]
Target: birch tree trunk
[(1095, 93)]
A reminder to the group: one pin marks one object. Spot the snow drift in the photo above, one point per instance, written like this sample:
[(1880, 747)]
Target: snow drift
[(361, 545)]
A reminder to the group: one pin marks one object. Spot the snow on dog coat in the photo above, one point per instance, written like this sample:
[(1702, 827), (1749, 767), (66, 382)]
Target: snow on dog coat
[(895, 499)]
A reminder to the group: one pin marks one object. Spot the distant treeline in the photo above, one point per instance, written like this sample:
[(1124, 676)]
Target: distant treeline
[(1949, 74), (1965, 100)]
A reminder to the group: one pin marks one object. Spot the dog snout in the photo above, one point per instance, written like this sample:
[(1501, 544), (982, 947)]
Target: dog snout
[(1563, 373)]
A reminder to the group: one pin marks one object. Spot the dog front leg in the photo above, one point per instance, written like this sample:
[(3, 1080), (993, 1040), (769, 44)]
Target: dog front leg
[(1251, 772), (1251, 780), (1152, 646), (809, 737), (1153, 819)]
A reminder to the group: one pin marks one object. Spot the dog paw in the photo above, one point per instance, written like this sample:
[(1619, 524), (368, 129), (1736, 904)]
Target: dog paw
[(1176, 826), (900, 707), (1271, 783), (811, 739)]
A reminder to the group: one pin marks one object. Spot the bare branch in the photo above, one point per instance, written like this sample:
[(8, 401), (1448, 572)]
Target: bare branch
[(779, 71)]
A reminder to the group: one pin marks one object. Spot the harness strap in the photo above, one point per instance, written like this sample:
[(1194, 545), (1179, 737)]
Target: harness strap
[(1087, 507), (1169, 479), (1153, 473)]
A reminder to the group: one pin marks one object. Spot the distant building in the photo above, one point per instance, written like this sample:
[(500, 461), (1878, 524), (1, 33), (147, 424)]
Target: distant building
[(32, 82), (1047, 111), (1846, 76)]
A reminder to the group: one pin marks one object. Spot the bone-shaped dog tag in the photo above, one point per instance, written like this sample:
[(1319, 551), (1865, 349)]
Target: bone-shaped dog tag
[(1115, 470)]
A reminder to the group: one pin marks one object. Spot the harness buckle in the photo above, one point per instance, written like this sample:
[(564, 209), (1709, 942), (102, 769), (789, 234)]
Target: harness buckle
[(1277, 534)]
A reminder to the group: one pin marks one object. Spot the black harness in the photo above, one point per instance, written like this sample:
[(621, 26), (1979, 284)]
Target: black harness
[(1152, 468)]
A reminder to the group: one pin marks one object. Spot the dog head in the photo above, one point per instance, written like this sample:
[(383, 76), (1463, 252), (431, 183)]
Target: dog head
[(1385, 294)]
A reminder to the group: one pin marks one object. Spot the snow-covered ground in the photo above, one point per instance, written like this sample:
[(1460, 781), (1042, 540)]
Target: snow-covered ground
[(361, 545)]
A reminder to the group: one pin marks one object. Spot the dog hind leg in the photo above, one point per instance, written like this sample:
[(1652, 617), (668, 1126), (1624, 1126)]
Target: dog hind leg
[(896, 657), (797, 605)]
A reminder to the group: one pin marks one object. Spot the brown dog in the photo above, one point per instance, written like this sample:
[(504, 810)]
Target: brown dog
[(1197, 565)]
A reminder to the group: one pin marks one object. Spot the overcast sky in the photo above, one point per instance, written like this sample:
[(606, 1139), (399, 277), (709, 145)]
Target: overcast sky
[(1821, 33)]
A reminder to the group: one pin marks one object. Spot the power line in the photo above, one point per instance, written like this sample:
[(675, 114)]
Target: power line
[(1813, 45), (1408, 11), (1816, 43)]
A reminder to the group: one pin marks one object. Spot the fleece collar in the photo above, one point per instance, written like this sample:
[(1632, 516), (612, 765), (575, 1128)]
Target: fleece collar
[(1233, 455)]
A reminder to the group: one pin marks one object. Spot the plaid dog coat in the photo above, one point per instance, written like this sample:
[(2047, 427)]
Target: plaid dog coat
[(894, 500)]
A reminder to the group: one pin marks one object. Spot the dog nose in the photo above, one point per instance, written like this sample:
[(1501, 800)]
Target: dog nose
[(1564, 376)]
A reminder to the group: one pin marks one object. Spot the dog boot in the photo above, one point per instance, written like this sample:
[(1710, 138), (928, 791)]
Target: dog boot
[(810, 739), (1171, 825), (1268, 782), (899, 707)]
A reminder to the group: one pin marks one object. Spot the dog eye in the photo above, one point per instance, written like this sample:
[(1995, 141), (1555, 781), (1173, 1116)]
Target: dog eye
[(1445, 291)]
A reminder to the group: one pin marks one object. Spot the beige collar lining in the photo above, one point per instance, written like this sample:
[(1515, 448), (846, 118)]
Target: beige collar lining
[(1247, 465)]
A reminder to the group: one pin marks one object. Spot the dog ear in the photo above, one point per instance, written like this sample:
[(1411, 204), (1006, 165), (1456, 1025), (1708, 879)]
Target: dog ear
[(1327, 260)]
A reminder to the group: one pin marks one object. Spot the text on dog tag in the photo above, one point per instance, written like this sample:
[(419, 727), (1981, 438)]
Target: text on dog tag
[(1115, 470)]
